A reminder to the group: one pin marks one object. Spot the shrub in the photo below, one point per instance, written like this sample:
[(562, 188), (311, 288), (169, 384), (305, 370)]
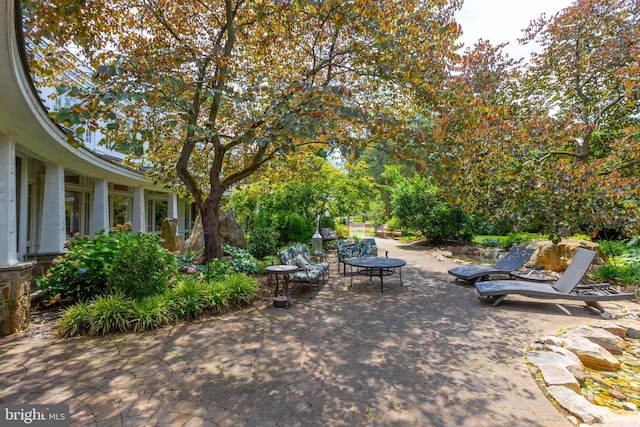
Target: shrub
[(141, 268), (418, 206), (342, 231), (613, 247), (491, 242), (513, 239), (82, 272), (263, 241), (187, 297), (327, 222), (295, 228), (216, 296), (623, 275), (214, 270), (241, 287)]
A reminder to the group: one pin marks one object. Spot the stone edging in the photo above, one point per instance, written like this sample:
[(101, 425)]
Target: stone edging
[(560, 361)]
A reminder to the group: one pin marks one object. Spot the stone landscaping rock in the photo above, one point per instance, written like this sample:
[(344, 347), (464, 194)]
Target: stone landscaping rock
[(610, 342), (592, 355), (230, 232), (617, 330), (555, 375), (633, 333), (618, 395), (551, 340), (577, 405), (561, 360), (557, 257), (550, 357), (170, 240)]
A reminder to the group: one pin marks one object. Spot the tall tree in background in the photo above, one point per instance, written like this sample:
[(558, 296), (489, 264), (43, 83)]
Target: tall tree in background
[(547, 144), (577, 76), (212, 91), (583, 79)]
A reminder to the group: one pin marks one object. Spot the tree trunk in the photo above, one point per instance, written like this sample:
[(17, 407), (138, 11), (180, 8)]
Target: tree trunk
[(210, 215), (582, 149)]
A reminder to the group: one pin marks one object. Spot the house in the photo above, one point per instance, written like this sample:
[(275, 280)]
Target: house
[(51, 191)]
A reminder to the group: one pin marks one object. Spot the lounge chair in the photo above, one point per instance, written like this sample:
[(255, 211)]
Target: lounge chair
[(570, 286), (511, 261)]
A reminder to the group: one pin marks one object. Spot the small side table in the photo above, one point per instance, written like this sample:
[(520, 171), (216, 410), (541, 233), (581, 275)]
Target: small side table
[(284, 271)]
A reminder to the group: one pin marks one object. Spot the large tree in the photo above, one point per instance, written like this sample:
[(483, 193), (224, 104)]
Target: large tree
[(551, 143), (578, 76), (212, 90)]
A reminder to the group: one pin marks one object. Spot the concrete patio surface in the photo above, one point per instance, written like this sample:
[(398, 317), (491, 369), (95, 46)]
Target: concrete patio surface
[(429, 353)]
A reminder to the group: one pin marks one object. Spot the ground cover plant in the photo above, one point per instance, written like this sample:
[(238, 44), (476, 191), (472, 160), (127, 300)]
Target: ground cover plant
[(186, 299)]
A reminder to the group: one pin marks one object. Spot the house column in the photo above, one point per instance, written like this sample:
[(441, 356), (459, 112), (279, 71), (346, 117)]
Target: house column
[(100, 212), (172, 206), (138, 214), (8, 223), (53, 216)]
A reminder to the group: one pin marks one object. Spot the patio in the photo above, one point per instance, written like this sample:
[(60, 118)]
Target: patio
[(426, 353)]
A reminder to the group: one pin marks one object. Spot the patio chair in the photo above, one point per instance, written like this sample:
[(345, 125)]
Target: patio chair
[(511, 261), (569, 286)]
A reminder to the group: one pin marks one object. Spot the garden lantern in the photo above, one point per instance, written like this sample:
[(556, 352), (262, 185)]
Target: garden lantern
[(316, 241)]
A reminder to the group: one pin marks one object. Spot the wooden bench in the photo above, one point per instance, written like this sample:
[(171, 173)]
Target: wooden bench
[(382, 231)]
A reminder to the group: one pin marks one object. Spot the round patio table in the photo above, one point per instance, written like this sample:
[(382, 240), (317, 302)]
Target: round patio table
[(284, 271), (376, 266)]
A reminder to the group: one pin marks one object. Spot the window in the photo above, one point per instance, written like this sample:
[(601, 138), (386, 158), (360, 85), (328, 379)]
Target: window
[(120, 212), (72, 203)]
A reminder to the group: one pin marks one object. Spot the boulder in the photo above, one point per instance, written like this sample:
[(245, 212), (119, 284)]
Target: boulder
[(170, 239), (617, 330), (575, 404), (230, 232), (539, 358), (557, 257), (555, 375), (592, 355), (610, 342)]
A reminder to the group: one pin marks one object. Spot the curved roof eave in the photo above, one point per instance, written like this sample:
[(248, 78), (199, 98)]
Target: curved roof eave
[(24, 119)]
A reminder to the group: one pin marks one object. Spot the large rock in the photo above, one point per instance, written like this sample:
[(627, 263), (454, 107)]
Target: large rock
[(591, 354), (170, 239), (577, 405), (230, 232), (557, 257), (555, 375), (612, 343), (554, 357)]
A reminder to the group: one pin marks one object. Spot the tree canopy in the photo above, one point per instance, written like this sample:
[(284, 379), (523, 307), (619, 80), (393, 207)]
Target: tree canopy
[(547, 144), (210, 91)]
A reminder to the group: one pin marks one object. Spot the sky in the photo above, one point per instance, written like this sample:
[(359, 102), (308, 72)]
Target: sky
[(502, 21)]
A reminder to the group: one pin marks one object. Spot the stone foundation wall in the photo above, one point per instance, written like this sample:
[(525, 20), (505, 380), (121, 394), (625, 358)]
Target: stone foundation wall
[(43, 262), (15, 292)]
